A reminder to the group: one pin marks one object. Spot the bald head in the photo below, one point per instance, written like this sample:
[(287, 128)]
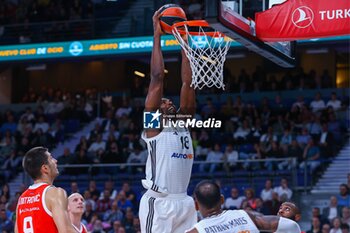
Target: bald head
[(289, 210), (207, 194)]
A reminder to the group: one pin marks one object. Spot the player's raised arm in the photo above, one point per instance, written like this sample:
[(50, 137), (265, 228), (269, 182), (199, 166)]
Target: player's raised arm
[(272, 223), (56, 201), (187, 94), (155, 90)]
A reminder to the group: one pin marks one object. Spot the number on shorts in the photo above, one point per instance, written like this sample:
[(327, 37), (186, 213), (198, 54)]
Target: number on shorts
[(28, 225)]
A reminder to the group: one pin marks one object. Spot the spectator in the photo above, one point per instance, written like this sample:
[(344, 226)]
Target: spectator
[(92, 189), (266, 141), (326, 142), (230, 158), (316, 212), (74, 188), (81, 158), (311, 156), (139, 155), (283, 189), (113, 214), (109, 185), (88, 198), (9, 125), (65, 159), (88, 213), (266, 193), (234, 201), (113, 155), (250, 199), (108, 121), (125, 109), (326, 228), (41, 124), (97, 146), (28, 115), (6, 150), (130, 194), (314, 126), (5, 191), (214, 157), (343, 197), (303, 138), (286, 140), (128, 221), (344, 228), (208, 110), (41, 138), (274, 153), (104, 204), (336, 226), (116, 226), (334, 103), (123, 202), (11, 165), (242, 132), (317, 105), (24, 125), (316, 226), (6, 224), (332, 210), (345, 219)]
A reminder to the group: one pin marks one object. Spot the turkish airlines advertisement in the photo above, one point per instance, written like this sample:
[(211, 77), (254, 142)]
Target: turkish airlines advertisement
[(303, 19)]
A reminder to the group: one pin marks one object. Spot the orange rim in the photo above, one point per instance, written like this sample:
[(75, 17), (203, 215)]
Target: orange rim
[(180, 26)]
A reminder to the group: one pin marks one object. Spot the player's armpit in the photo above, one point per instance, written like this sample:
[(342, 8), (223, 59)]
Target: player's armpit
[(56, 201)]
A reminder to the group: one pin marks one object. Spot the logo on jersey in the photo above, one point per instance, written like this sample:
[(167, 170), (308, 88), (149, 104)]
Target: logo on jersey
[(182, 156), (151, 120), (302, 17)]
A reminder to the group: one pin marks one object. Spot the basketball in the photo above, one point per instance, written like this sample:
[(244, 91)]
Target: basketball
[(170, 14)]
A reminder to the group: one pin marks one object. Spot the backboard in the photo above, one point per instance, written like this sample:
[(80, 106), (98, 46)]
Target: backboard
[(226, 17)]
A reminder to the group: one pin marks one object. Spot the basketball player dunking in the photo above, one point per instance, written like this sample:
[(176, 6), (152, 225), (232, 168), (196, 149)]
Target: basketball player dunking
[(76, 207), (166, 207), (42, 207), (209, 200)]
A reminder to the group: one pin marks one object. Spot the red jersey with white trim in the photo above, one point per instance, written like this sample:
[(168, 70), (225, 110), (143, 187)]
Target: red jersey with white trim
[(82, 228), (33, 216)]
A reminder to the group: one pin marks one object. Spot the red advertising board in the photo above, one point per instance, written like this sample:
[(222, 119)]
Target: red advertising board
[(303, 19)]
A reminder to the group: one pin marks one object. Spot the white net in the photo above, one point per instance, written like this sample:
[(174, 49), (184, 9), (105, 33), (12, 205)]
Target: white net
[(206, 54)]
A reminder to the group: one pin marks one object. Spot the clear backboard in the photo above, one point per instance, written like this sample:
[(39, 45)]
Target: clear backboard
[(228, 17)]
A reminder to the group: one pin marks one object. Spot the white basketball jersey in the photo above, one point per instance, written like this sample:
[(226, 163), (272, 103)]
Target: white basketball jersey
[(230, 221), (169, 161)]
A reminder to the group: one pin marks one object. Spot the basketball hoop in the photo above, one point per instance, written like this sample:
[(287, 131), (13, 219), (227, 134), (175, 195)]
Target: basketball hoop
[(206, 50)]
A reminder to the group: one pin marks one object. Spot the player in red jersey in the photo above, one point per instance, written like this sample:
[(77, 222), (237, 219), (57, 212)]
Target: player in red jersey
[(42, 208), (76, 208)]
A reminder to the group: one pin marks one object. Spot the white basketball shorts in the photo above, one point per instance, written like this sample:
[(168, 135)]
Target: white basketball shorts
[(166, 213)]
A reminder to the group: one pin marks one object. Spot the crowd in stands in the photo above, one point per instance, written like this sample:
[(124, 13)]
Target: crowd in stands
[(111, 209), (335, 217), (57, 114), (33, 11), (304, 129)]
